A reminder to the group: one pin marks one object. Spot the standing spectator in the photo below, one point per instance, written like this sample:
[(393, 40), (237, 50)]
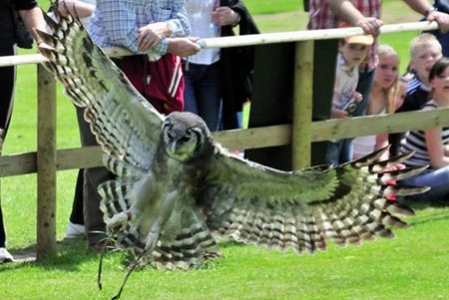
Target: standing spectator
[(431, 146), (32, 17), (443, 38), (425, 50), (352, 51), (237, 65), (215, 75), (144, 29), (382, 98), (75, 226)]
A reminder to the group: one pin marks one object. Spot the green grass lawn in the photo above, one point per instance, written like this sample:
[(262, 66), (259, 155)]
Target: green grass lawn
[(413, 266)]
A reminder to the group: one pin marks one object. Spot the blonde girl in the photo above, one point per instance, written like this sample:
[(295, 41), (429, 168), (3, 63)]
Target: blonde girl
[(384, 93)]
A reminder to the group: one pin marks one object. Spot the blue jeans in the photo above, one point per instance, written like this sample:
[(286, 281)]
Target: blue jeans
[(437, 180), (338, 152), (202, 93)]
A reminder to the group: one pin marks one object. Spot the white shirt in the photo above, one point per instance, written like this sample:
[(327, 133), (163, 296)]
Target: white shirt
[(364, 145), (199, 14), (346, 80)]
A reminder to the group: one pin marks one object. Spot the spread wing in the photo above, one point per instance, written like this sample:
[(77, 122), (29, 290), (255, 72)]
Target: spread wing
[(124, 123), (303, 209)]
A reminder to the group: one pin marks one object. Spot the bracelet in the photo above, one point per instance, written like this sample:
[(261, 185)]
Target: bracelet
[(429, 10)]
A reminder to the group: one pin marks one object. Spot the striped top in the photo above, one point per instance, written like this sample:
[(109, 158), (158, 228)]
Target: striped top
[(416, 141), (415, 83)]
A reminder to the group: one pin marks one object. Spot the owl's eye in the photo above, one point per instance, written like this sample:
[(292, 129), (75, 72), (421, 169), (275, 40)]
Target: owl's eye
[(167, 126), (187, 136)]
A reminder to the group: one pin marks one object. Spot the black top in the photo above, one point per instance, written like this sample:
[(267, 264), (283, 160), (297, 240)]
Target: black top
[(237, 64), (19, 4), (415, 100), (7, 36)]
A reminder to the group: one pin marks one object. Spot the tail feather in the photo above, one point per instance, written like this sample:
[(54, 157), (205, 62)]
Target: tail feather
[(393, 207), (400, 174), (404, 190), (189, 249)]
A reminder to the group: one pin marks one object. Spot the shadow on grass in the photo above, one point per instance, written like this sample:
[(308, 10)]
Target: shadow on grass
[(439, 210), (227, 243), (70, 253)]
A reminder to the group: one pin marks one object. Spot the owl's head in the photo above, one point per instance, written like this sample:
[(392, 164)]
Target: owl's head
[(186, 137)]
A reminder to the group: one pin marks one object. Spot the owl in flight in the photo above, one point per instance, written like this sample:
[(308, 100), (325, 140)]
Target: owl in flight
[(176, 188)]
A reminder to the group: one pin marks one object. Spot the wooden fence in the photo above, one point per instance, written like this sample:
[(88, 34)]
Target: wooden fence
[(47, 160)]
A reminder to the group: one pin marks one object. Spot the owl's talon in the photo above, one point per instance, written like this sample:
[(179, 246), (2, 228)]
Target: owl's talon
[(118, 222)]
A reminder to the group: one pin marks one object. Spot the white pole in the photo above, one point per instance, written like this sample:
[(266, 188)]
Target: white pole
[(38, 58), (294, 36), (252, 39)]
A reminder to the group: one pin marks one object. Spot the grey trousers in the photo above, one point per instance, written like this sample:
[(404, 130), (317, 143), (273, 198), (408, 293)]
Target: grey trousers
[(93, 217)]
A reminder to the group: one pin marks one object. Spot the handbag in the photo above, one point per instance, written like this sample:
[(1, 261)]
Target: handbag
[(23, 37)]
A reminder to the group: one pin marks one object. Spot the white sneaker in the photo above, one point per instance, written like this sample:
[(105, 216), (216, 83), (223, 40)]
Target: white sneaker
[(74, 230), (5, 256)]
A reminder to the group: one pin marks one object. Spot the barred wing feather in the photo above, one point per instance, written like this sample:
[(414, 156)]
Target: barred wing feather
[(124, 123), (302, 210)]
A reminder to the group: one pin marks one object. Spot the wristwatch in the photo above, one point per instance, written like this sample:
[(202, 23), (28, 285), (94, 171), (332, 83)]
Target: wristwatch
[(169, 29), (429, 10)]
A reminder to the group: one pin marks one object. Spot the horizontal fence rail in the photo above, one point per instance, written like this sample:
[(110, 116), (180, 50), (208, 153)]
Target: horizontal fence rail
[(252, 39), (47, 160), (269, 136)]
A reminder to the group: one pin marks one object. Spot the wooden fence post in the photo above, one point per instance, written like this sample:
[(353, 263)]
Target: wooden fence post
[(46, 163), (302, 105)]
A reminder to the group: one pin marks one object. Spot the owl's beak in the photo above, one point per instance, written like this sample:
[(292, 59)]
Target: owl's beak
[(172, 146)]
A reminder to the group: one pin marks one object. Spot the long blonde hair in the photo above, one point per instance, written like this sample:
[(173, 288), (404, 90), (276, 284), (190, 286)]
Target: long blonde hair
[(390, 92), (394, 93)]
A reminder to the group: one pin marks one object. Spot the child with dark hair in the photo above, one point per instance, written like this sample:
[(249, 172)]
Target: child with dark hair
[(431, 146)]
